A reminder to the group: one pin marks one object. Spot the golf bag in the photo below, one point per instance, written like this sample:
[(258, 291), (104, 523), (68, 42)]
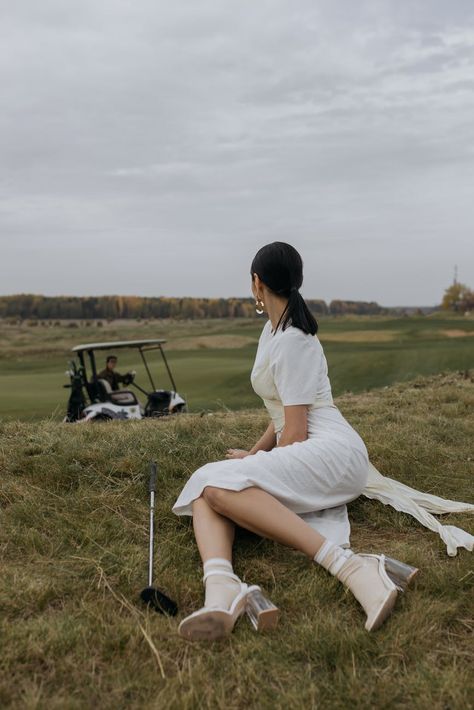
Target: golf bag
[(76, 401)]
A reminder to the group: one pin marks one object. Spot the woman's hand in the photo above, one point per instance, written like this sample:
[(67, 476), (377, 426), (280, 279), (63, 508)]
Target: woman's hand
[(236, 453)]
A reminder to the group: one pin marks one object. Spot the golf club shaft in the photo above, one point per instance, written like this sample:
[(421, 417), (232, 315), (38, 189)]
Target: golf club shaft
[(150, 555)]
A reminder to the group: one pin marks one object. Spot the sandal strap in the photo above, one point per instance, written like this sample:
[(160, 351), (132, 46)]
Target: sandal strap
[(222, 573)]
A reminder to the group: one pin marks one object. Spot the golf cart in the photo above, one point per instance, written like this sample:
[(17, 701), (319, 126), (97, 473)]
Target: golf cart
[(93, 398)]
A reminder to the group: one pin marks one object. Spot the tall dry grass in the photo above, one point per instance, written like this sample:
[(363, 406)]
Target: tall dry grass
[(73, 543)]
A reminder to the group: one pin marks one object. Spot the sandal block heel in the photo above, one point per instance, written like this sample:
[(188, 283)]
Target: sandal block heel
[(261, 611), (400, 573)]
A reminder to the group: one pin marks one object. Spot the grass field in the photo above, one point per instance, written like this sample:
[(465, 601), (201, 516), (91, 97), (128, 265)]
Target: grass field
[(211, 359), (74, 536)]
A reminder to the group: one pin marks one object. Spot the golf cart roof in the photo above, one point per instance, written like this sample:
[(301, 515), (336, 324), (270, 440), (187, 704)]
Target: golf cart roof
[(117, 344)]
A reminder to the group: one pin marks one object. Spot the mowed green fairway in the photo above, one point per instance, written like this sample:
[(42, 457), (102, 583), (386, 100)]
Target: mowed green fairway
[(211, 359)]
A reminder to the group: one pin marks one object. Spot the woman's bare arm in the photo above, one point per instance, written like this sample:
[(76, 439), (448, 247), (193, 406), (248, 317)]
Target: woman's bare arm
[(266, 442), (295, 429), (296, 424)]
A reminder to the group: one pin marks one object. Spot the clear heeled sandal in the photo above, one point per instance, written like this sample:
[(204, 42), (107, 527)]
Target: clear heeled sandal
[(400, 573), (375, 580), (263, 614), (210, 623)]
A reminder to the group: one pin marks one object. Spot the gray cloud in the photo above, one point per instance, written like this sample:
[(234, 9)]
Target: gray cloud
[(170, 142)]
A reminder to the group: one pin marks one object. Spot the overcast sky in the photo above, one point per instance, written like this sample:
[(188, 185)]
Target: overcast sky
[(151, 147)]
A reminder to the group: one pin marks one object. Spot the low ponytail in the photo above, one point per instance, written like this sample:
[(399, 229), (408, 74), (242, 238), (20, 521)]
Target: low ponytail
[(297, 313), (280, 267)]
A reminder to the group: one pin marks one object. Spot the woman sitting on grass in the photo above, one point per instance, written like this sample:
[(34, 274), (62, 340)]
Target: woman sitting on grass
[(293, 485)]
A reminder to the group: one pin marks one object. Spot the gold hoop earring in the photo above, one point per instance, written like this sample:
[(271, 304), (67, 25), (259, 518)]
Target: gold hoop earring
[(256, 309)]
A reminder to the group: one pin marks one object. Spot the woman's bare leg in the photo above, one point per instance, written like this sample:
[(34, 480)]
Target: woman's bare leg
[(214, 533), (215, 536), (258, 511)]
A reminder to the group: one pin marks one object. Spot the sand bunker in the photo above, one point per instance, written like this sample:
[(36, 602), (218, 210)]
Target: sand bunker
[(360, 336), (457, 333)]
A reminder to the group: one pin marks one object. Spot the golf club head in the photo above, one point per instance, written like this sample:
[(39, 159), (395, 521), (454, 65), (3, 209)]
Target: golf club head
[(159, 601)]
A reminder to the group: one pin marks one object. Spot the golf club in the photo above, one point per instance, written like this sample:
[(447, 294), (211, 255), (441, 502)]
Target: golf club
[(150, 595)]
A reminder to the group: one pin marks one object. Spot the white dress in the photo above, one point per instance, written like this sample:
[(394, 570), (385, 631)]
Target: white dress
[(316, 477)]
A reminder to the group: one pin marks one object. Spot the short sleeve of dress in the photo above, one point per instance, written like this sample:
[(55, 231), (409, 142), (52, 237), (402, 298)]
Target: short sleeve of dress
[(294, 363)]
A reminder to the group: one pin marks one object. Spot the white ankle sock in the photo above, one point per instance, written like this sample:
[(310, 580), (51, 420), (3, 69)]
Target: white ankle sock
[(332, 557), (221, 589)]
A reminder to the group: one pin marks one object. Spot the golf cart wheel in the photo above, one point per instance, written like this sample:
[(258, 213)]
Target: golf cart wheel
[(102, 417)]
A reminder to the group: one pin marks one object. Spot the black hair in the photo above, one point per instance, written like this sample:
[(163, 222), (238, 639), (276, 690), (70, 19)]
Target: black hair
[(280, 267), (109, 358)]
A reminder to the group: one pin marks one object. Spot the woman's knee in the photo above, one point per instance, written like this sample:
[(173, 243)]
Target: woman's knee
[(215, 497)]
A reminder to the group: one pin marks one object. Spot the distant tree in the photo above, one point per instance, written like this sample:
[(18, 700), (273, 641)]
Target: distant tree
[(338, 307), (458, 297), (317, 306)]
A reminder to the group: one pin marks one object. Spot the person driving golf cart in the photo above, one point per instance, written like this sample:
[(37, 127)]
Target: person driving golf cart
[(97, 395), (110, 375)]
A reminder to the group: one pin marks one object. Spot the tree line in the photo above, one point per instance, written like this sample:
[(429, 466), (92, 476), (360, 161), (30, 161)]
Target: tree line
[(38, 307)]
